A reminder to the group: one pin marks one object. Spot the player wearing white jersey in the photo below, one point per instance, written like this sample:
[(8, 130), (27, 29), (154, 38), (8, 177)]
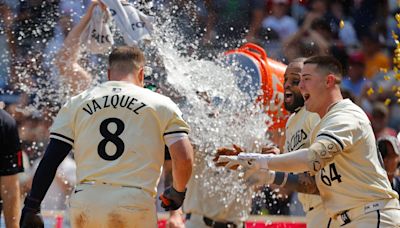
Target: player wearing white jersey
[(350, 179), (297, 133), (118, 131), (297, 136)]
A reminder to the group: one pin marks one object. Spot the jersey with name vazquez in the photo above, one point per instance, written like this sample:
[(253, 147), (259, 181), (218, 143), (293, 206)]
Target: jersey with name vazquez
[(298, 133), (117, 132), (355, 177)]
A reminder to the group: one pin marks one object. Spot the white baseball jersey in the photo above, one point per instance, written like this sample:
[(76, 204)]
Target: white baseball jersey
[(117, 132), (298, 133), (355, 177)]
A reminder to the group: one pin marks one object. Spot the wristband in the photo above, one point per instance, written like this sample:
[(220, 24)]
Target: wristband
[(285, 178), (279, 178), (32, 204)]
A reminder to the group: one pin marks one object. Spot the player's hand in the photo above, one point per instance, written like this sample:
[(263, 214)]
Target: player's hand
[(31, 218), (270, 149), (255, 160), (175, 220), (172, 199), (95, 3), (259, 177), (227, 152), (232, 162)]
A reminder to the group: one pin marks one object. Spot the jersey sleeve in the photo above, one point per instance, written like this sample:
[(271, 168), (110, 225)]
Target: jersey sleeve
[(176, 124), (339, 132), (11, 154), (62, 128)]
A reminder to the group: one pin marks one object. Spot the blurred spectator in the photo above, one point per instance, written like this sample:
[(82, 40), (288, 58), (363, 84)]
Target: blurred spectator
[(35, 24), (380, 119), (315, 38), (346, 31), (10, 166), (364, 13), (355, 80), (269, 39), (229, 22), (375, 58), (306, 41), (279, 21), (389, 147)]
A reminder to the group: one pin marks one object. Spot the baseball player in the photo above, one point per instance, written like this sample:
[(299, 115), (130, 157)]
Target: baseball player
[(118, 131), (10, 166), (349, 177), (298, 130)]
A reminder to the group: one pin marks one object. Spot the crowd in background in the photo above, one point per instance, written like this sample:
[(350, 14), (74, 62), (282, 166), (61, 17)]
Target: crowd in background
[(357, 32)]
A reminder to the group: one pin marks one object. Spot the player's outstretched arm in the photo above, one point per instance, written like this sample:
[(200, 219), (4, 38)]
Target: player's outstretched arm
[(303, 160), (67, 58)]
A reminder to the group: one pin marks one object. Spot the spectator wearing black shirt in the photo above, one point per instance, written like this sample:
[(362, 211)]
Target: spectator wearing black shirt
[(10, 166)]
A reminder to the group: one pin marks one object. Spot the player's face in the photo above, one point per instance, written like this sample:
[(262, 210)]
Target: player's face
[(312, 87), (293, 98)]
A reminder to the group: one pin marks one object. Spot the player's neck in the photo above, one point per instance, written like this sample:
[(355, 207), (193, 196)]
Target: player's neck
[(329, 104)]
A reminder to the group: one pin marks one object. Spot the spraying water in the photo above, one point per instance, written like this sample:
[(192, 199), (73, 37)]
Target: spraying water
[(206, 90)]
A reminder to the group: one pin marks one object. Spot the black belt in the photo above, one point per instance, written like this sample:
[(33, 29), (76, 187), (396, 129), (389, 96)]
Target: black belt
[(211, 223)]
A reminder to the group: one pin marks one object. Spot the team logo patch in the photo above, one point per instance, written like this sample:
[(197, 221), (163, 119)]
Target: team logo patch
[(332, 148)]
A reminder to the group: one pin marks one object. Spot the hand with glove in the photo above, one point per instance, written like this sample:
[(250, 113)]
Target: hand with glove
[(225, 151), (171, 199), (30, 216), (255, 160), (259, 177), (233, 162)]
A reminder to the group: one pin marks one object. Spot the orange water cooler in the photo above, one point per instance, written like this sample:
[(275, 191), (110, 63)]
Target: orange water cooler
[(261, 73)]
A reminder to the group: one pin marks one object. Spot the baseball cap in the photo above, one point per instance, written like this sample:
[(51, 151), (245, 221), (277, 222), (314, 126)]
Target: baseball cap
[(392, 140)]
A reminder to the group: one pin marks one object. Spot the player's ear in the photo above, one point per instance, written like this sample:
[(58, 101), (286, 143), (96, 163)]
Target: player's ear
[(141, 76), (330, 80)]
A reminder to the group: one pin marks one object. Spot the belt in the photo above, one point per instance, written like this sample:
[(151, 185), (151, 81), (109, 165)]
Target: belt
[(347, 216), (90, 182), (215, 224)]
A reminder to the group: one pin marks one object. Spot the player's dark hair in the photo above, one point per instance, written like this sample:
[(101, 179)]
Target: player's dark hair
[(327, 65), (126, 59)]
